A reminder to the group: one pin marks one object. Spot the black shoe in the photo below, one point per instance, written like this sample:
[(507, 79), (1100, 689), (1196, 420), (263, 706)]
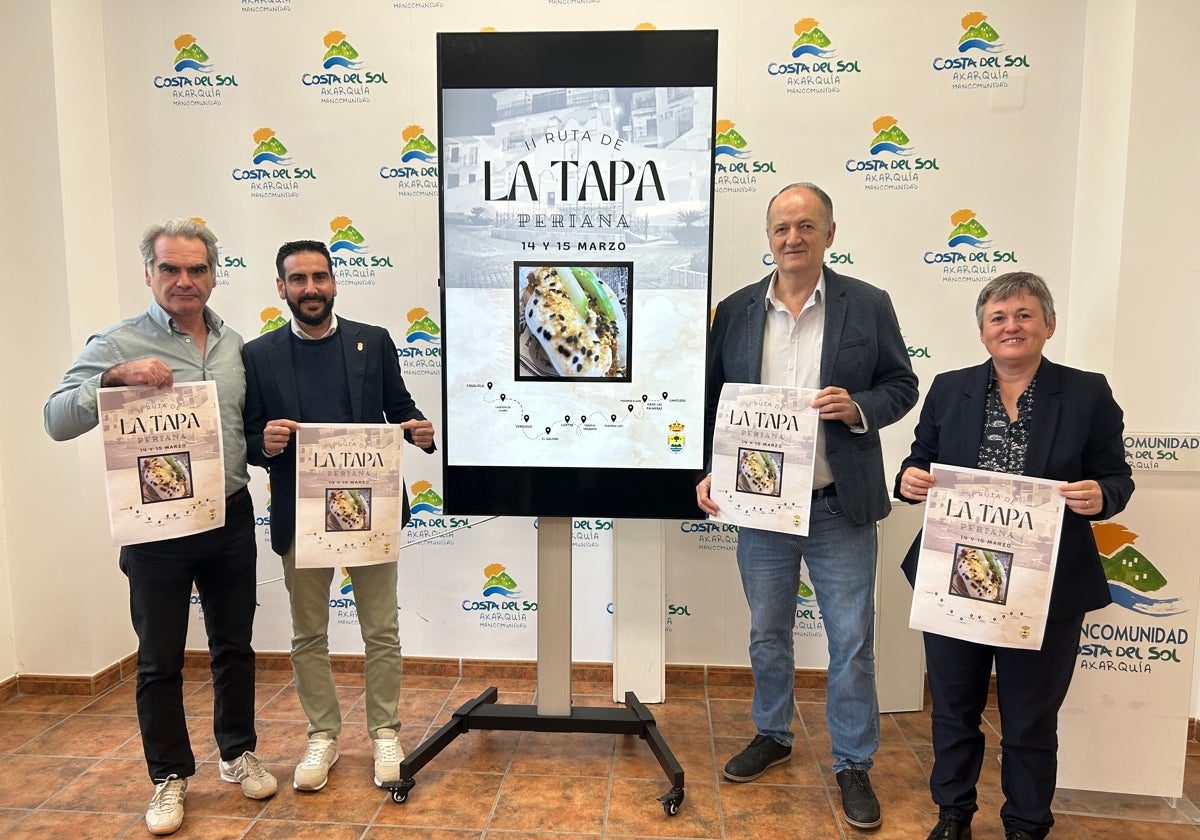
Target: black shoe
[(951, 827), (1017, 834), (753, 761), (859, 805)]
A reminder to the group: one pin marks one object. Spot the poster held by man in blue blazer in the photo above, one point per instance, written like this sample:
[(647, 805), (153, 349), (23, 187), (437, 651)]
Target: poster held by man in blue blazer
[(806, 326)]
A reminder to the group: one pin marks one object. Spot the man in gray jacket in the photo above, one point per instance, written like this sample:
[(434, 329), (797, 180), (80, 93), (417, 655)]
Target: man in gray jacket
[(179, 339)]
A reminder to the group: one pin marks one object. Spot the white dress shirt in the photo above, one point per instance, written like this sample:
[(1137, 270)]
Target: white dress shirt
[(792, 356)]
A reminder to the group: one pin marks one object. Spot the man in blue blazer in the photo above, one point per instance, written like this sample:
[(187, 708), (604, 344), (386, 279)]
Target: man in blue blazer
[(322, 369), (807, 326)]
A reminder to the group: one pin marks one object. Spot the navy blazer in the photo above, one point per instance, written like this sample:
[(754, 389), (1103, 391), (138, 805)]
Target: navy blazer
[(1076, 432), (862, 351), (377, 395)]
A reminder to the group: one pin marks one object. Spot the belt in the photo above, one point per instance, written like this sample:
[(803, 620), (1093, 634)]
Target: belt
[(237, 495), (822, 492)]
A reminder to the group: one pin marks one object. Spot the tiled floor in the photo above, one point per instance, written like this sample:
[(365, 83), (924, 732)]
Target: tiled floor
[(72, 767)]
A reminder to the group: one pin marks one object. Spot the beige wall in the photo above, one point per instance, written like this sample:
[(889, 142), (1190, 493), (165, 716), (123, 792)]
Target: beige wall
[(63, 594)]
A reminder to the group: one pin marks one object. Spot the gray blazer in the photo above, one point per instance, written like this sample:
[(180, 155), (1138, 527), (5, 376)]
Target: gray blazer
[(862, 352)]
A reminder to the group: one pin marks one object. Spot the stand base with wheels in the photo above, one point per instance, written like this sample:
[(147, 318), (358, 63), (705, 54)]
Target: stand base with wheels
[(553, 712), (484, 712)]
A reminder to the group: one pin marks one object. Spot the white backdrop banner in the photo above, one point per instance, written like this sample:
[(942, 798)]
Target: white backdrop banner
[(275, 120)]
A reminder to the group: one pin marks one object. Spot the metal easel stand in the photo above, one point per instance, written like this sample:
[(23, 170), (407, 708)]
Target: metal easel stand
[(1126, 806), (553, 712)]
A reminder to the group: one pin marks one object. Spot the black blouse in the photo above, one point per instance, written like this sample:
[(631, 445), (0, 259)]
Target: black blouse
[(1004, 444)]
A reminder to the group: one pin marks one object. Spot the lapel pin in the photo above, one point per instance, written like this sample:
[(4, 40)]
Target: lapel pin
[(360, 347)]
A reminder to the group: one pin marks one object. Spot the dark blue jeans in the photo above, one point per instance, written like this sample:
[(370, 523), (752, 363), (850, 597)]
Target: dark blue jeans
[(841, 564), (223, 565)]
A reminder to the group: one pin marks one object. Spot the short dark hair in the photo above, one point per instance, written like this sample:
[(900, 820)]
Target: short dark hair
[(812, 188), (299, 245), (1015, 283)]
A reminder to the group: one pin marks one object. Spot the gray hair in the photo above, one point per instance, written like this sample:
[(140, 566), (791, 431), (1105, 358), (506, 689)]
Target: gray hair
[(186, 228), (811, 187), (1015, 283)]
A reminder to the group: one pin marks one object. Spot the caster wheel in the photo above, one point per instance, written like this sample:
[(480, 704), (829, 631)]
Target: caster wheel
[(399, 790), (671, 800)]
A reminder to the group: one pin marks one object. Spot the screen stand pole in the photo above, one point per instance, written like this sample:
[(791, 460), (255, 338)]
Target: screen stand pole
[(554, 615), (553, 712)]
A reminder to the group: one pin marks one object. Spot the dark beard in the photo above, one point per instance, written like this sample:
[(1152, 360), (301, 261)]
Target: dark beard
[(312, 320)]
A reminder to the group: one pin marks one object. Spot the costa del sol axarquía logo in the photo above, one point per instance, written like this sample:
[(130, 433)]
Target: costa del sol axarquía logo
[(1132, 577), (980, 61), (194, 80), (428, 526), (346, 236), (269, 174), (344, 77), (814, 66), (425, 499), (420, 354), (499, 583), (272, 318), (967, 230), (499, 604), (1146, 638), (344, 609), (417, 172), (354, 261), (893, 164), (808, 613), (969, 258), (737, 168), (422, 328)]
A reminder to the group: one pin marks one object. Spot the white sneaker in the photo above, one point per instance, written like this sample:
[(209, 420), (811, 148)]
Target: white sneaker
[(165, 814), (313, 770), (388, 754), (256, 782)]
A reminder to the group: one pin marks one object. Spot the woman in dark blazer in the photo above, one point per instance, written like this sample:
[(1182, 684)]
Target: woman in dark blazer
[(1023, 414)]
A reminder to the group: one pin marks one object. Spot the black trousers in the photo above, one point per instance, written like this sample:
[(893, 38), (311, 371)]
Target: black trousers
[(1030, 687), (223, 565)]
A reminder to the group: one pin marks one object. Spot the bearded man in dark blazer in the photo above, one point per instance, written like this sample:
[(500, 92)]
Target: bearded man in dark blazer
[(324, 369)]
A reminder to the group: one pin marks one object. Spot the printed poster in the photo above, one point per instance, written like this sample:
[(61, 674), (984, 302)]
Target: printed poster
[(348, 494), (988, 554), (764, 448), (164, 467)]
